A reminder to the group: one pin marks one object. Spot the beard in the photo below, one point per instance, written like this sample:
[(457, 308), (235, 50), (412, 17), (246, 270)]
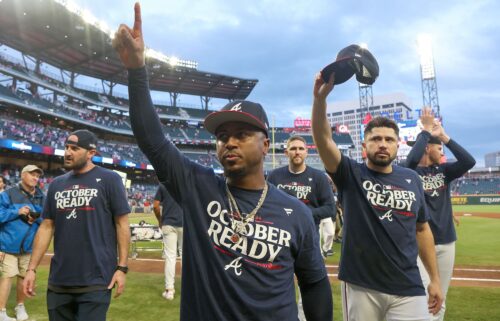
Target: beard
[(77, 164), (382, 162)]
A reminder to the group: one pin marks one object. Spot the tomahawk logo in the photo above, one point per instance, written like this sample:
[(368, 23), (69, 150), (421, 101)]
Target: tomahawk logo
[(236, 265), (387, 215), (97, 180), (72, 214), (236, 107), (288, 211), (409, 181)]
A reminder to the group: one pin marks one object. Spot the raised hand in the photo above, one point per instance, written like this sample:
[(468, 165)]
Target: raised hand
[(427, 119), (129, 43), (321, 89), (438, 132)]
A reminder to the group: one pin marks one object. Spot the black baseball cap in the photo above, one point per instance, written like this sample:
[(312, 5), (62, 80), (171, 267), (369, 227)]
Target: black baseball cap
[(432, 140), (352, 60), (86, 139), (238, 111)]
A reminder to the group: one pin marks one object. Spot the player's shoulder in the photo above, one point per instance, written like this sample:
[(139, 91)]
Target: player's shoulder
[(404, 171), (316, 172), (98, 170), (278, 170), (61, 178)]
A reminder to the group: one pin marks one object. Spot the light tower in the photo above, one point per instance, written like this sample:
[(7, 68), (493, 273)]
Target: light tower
[(365, 101), (428, 74)]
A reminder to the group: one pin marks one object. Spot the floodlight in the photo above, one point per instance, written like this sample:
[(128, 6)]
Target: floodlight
[(424, 43), (173, 61)]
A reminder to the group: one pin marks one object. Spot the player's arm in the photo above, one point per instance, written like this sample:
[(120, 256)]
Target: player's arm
[(40, 245), (317, 300), (123, 240), (163, 155), (157, 210), (464, 162), (326, 201), (157, 205), (418, 150), (427, 253), (322, 133)]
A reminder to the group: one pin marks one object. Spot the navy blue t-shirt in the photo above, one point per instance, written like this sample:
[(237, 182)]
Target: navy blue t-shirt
[(83, 207), (310, 186), (381, 211), (252, 279), (436, 180), (171, 213)]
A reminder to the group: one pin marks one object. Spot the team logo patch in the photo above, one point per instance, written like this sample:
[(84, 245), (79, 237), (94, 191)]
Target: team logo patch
[(236, 107), (409, 181), (236, 265), (288, 211), (387, 215)]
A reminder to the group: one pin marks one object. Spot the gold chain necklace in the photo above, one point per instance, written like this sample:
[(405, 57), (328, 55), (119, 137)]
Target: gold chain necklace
[(240, 226)]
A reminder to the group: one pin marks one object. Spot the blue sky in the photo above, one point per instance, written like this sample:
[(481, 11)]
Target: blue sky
[(284, 43)]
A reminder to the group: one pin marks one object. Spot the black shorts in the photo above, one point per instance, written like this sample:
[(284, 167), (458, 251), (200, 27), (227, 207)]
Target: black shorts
[(78, 306)]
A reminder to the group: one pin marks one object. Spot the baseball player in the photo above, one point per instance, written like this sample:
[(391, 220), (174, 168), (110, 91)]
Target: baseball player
[(425, 159), (305, 183), (384, 217), (170, 222), (328, 226), (244, 240), (86, 211)]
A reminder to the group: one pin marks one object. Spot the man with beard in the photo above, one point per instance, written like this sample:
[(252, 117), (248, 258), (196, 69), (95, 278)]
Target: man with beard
[(425, 159), (243, 238), (87, 212), (305, 183), (385, 224)]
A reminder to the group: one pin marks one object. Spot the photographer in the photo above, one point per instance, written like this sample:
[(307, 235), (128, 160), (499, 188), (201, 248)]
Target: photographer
[(20, 208)]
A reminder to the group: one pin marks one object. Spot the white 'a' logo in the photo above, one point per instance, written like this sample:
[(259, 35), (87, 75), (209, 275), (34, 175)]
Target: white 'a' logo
[(236, 107), (387, 215), (435, 193), (236, 265), (72, 214)]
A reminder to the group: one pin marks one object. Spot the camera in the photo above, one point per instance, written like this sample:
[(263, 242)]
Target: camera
[(34, 215)]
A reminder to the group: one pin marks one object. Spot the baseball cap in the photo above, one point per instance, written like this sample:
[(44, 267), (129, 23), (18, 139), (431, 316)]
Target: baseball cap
[(238, 111), (352, 60), (86, 139), (432, 140), (32, 168)]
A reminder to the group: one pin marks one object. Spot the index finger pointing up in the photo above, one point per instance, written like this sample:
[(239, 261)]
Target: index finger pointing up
[(137, 19)]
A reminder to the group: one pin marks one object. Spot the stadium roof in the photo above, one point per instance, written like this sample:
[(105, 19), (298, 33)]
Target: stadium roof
[(50, 30)]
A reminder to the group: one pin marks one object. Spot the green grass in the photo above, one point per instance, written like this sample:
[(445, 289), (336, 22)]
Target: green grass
[(478, 242), (142, 301), (477, 208), (478, 245)]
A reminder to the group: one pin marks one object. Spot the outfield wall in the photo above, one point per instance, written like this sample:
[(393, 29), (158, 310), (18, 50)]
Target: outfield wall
[(476, 200)]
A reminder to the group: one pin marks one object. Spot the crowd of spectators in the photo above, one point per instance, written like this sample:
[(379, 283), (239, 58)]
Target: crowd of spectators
[(476, 185)]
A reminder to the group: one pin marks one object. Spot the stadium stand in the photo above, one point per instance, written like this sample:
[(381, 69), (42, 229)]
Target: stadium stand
[(41, 99)]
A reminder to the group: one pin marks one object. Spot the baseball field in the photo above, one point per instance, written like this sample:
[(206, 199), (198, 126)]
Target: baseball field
[(474, 294)]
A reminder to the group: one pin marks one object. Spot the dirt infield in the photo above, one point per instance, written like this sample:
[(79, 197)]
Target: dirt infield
[(488, 215), (466, 275)]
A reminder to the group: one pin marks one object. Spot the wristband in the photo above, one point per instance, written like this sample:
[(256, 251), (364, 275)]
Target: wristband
[(124, 269)]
